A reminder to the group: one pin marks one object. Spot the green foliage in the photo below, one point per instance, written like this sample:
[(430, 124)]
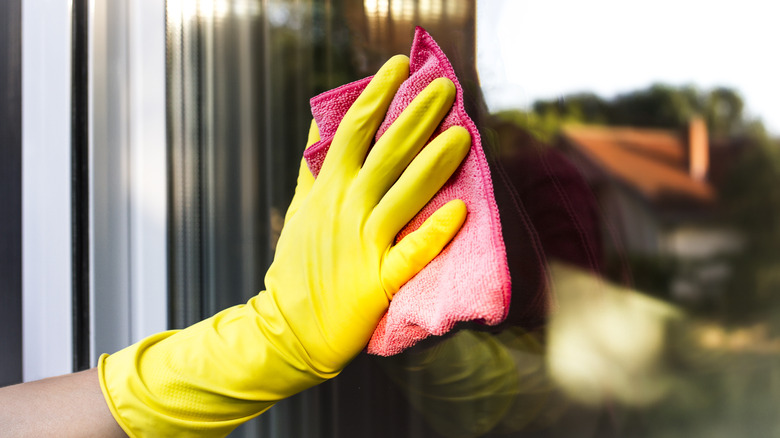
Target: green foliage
[(723, 110), (751, 198), (582, 107), (544, 127), (658, 106)]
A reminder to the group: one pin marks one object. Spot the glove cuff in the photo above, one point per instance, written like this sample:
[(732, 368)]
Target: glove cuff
[(204, 380)]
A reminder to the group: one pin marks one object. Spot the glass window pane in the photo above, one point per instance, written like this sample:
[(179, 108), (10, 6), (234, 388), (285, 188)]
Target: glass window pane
[(634, 170)]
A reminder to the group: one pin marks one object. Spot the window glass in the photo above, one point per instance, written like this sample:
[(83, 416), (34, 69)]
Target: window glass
[(634, 157)]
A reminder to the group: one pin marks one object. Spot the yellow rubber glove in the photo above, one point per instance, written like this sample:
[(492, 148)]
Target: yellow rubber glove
[(335, 270)]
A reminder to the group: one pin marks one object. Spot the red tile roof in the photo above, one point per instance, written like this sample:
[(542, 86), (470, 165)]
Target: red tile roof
[(653, 162)]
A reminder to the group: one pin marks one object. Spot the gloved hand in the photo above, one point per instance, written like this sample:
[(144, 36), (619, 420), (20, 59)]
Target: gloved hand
[(335, 270)]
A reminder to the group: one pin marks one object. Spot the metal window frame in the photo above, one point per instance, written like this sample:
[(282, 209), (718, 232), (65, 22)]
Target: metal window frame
[(11, 192), (115, 267), (128, 191)]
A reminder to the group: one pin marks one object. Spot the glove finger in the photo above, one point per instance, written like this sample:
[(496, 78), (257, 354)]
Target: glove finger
[(305, 178), (357, 128), (419, 183), (404, 139), (404, 260)]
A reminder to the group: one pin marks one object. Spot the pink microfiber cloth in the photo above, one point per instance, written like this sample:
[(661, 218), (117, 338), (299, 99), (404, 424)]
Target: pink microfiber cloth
[(469, 280)]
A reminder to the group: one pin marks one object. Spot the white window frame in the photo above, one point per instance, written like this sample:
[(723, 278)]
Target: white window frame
[(47, 347)]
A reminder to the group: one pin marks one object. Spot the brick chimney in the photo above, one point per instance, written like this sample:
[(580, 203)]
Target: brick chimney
[(698, 149)]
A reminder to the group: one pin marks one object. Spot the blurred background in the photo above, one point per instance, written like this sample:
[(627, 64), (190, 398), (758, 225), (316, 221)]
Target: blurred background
[(635, 153)]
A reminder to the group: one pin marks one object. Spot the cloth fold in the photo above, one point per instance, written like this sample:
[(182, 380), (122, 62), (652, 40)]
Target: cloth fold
[(469, 280)]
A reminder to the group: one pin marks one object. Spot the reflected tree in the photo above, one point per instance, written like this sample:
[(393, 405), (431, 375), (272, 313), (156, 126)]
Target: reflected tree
[(658, 106), (752, 199)]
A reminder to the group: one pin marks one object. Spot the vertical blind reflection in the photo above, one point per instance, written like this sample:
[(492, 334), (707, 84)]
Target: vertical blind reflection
[(240, 74)]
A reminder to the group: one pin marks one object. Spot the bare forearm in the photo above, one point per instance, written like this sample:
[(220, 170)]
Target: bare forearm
[(67, 406)]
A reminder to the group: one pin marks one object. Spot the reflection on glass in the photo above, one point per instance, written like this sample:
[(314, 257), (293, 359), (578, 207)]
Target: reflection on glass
[(431, 8), (378, 8), (405, 10), (642, 227), (605, 342)]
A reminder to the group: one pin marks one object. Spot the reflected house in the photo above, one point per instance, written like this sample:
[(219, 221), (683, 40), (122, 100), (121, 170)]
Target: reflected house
[(658, 191)]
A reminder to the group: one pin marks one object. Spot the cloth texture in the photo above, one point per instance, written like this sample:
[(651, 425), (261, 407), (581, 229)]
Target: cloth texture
[(470, 279)]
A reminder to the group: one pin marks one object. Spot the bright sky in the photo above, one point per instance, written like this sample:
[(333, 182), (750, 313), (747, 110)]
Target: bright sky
[(530, 49)]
